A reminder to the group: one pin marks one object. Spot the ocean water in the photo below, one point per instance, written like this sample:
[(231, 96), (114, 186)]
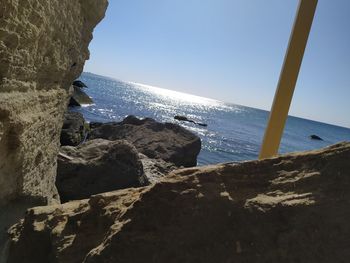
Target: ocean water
[(234, 132)]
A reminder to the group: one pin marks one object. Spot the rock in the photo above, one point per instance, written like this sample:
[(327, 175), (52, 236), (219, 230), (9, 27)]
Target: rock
[(131, 119), (167, 141), (97, 166), (183, 118), (292, 208), (79, 98), (79, 84), (315, 137), (94, 125), (43, 48), (73, 130), (155, 169)]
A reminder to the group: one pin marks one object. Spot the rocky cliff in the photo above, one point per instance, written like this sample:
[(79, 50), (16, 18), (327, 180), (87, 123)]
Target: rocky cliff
[(43, 47), (293, 208)]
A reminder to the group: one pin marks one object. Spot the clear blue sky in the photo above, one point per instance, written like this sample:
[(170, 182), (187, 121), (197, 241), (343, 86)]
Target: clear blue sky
[(231, 50)]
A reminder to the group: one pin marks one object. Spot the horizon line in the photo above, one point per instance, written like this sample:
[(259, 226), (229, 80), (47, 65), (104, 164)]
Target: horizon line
[(218, 100)]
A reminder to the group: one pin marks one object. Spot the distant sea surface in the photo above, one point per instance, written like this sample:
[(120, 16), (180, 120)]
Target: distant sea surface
[(234, 132)]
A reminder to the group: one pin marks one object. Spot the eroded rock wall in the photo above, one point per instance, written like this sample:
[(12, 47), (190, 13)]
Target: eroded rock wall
[(43, 47)]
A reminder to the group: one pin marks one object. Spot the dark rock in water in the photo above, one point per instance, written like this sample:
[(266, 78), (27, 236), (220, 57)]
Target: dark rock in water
[(98, 166), (183, 118), (315, 137), (79, 98), (202, 124), (79, 84), (292, 208), (73, 131), (167, 141)]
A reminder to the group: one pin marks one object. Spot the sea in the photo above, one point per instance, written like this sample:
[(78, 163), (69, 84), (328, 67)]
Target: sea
[(234, 133)]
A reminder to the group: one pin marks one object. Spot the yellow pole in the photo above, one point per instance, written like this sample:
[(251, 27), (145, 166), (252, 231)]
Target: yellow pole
[(288, 78)]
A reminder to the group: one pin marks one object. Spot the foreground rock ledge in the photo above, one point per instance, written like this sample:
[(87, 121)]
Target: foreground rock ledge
[(294, 208)]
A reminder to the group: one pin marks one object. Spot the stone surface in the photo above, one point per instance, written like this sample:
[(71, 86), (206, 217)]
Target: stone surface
[(167, 141), (155, 169), (293, 208), (73, 130), (43, 47), (97, 166), (184, 118), (79, 98)]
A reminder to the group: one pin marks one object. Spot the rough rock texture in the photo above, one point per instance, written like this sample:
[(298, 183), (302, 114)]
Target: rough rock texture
[(167, 141), (73, 130), (97, 166), (155, 169), (293, 208), (43, 47)]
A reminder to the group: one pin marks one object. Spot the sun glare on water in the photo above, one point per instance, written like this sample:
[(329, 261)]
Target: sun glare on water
[(178, 96)]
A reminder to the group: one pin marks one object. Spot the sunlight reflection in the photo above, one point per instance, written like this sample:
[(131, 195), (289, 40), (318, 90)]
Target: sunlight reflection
[(178, 96)]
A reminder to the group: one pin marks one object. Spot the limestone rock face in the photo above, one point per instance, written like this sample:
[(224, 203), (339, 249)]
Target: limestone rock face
[(97, 166), (43, 47), (167, 141), (293, 208)]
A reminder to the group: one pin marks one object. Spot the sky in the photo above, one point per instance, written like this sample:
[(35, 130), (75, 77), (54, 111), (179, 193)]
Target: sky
[(229, 50)]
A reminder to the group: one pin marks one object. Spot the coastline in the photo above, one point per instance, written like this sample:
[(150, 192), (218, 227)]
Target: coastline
[(128, 189)]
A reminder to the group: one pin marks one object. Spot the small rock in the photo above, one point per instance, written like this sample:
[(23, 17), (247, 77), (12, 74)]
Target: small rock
[(315, 137), (79, 98), (183, 118)]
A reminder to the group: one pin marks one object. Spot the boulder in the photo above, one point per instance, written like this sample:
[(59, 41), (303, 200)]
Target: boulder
[(97, 166), (167, 141), (79, 98), (184, 118), (292, 208), (73, 130)]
